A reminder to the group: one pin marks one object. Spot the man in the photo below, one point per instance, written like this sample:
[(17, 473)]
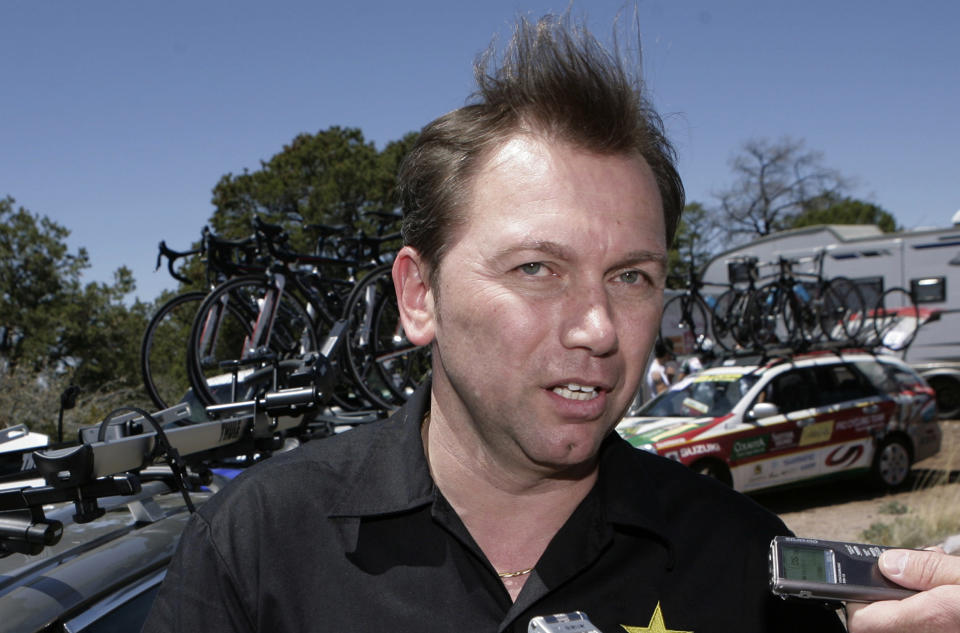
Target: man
[(658, 374), (536, 226)]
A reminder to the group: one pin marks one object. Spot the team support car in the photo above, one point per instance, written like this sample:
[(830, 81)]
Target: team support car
[(88, 527), (101, 576), (757, 425)]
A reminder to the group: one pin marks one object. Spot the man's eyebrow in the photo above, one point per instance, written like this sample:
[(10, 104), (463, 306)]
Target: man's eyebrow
[(640, 257), (546, 246), (564, 253)]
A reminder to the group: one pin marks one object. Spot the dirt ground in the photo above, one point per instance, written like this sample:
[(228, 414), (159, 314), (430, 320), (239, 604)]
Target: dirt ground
[(843, 510)]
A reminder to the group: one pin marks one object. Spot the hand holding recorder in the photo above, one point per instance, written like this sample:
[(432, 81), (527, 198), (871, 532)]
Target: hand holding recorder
[(915, 590), (935, 608)]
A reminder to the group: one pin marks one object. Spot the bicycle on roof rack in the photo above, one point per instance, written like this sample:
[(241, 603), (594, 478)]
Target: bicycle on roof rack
[(792, 311), (693, 314), (382, 361), (163, 364), (251, 323), (800, 309), (112, 459)]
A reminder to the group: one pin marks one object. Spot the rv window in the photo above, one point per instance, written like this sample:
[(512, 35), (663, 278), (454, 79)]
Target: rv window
[(870, 289), (929, 289)]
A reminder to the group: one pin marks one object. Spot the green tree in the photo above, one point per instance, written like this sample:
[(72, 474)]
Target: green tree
[(330, 177), (53, 327), (830, 209), (38, 276), (695, 242), (101, 334)]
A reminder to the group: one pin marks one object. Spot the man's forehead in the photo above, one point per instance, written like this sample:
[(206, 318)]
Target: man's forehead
[(530, 187), (538, 152)]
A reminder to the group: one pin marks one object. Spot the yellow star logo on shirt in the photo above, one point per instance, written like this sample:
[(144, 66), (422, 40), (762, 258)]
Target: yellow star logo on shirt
[(656, 625)]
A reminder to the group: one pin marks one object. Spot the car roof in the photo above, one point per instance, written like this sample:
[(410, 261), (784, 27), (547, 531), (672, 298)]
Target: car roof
[(761, 365), (90, 561)]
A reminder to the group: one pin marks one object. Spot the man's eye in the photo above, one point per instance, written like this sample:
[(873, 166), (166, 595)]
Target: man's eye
[(630, 277), (533, 268)]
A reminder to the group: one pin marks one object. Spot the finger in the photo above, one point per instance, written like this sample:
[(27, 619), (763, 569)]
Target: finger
[(933, 611), (920, 569), (850, 608)]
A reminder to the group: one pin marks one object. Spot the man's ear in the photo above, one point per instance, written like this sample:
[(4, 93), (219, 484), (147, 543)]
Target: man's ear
[(414, 297)]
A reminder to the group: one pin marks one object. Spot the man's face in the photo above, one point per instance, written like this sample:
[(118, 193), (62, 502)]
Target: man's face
[(549, 301)]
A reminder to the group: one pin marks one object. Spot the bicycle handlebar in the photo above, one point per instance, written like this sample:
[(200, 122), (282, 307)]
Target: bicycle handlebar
[(172, 256)]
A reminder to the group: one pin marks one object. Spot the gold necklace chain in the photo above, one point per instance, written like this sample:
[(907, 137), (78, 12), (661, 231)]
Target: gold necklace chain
[(514, 574)]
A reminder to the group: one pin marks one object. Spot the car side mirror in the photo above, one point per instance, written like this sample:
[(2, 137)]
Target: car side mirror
[(763, 410)]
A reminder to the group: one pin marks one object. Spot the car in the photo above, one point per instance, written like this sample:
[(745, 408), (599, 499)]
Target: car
[(89, 527), (100, 576), (756, 423)]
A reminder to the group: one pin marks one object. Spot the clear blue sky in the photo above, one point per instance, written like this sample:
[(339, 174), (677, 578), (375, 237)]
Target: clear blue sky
[(117, 118)]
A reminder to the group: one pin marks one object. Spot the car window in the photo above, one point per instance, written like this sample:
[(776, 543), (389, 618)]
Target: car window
[(701, 395), (842, 383), (879, 375), (792, 390)]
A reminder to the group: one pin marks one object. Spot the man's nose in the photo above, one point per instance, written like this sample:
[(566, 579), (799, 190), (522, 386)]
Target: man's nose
[(589, 323)]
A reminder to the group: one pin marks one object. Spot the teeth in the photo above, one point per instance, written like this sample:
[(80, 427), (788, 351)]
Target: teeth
[(576, 392)]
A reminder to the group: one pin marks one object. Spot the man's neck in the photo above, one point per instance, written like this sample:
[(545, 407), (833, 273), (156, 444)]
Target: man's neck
[(512, 512)]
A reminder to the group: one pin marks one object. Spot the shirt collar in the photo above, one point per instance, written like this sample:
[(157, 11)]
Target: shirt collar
[(391, 473), (631, 492)]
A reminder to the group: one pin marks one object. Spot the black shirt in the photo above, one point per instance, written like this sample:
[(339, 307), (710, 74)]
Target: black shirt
[(350, 533)]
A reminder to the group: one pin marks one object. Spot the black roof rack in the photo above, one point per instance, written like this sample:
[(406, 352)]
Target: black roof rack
[(112, 461)]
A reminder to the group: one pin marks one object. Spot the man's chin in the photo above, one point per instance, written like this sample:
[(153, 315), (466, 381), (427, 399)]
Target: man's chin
[(571, 460)]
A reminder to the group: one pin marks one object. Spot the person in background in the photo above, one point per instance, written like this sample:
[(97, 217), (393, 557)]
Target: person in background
[(661, 370)]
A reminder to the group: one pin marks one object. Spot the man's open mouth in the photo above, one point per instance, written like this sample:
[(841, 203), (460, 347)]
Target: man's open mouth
[(574, 391)]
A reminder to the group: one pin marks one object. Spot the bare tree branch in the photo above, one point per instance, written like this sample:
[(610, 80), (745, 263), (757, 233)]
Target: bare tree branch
[(774, 182)]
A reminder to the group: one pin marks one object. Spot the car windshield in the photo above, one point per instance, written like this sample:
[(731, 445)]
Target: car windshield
[(701, 395)]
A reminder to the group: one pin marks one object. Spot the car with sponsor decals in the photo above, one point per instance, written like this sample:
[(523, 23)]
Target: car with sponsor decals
[(757, 424)]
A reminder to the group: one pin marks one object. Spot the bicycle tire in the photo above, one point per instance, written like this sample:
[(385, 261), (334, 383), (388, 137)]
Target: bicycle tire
[(383, 364), (767, 315), (893, 308), (726, 320), (293, 334), (843, 305), (163, 349), (805, 326), (689, 316)]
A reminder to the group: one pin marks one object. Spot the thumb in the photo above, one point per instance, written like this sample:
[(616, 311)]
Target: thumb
[(920, 570)]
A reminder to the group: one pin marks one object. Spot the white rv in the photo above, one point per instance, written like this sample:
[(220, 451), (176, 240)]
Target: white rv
[(924, 261)]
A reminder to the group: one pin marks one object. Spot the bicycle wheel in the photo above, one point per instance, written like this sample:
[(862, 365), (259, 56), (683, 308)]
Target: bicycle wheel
[(163, 349), (768, 316), (219, 344), (383, 363), (842, 310), (729, 326), (896, 319), (802, 315), (686, 318), (720, 320)]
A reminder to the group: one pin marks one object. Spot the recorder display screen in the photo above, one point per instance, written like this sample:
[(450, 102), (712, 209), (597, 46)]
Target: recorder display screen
[(801, 563)]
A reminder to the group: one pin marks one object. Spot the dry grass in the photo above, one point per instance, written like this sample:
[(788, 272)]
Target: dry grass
[(33, 398), (930, 515)]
